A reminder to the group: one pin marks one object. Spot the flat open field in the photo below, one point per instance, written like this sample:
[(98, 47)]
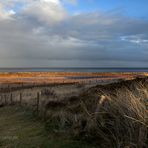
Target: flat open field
[(58, 81), (63, 83), (63, 77)]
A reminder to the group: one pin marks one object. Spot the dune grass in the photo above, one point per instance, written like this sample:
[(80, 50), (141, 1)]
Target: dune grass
[(117, 118)]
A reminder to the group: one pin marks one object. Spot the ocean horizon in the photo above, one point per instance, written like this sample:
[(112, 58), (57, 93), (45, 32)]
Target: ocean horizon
[(72, 69)]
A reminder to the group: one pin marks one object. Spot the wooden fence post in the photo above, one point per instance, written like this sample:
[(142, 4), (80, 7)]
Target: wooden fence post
[(1, 101), (11, 99), (38, 101), (5, 99), (20, 99)]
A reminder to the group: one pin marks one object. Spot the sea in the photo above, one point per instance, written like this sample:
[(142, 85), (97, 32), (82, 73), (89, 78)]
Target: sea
[(73, 69)]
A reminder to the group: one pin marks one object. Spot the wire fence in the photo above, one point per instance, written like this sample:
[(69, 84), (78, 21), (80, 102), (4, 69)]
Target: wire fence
[(36, 104)]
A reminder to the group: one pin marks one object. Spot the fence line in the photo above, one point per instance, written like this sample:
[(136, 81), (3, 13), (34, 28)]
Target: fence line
[(9, 99), (5, 97)]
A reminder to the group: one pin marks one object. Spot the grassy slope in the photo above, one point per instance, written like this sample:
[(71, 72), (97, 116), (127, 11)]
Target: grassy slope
[(19, 129)]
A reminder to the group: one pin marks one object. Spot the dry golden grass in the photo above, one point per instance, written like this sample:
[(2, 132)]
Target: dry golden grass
[(115, 118), (60, 77)]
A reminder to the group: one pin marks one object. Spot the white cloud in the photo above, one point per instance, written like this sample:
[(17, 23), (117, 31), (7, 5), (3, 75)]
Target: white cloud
[(3, 14), (11, 12), (53, 1), (45, 11), (42, 33)]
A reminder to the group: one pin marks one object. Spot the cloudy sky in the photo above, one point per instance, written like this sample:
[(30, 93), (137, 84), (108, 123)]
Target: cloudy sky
[(73, 33)]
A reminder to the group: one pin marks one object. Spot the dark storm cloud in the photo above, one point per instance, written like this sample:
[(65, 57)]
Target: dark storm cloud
[(52, 37)]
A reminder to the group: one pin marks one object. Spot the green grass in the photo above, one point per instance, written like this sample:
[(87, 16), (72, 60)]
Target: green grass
[(20, 129)]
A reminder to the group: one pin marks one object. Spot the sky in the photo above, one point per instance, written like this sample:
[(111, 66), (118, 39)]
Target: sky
[(73, 33)]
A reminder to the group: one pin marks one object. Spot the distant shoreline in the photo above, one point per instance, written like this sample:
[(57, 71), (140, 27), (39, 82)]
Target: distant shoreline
[(73, 69)]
